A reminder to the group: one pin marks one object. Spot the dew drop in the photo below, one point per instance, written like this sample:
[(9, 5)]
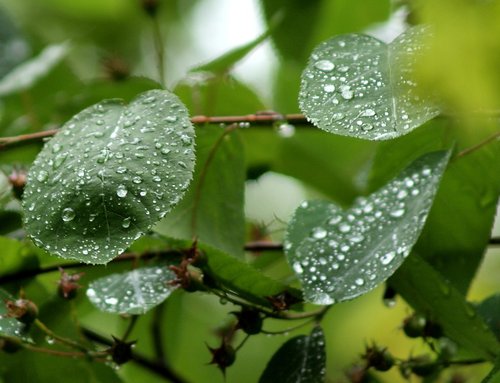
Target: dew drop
[(171, 118), (319, 233), (126, 222), (338, 116), (110, 301), (368, 113), (397, 213), (359, 281), (329, 88), (345, 228), (121, 191), (137, 180), (68, 214), (324, 65), (387, 257), (42, 176)]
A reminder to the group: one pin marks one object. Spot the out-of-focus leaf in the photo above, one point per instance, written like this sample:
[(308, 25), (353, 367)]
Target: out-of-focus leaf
[(212, 209), (224, 63), (341, 254), (110, 174), (494, 375), (26, 74), (217, 96), (356, 85), (5, 190), (489, 310), (134, 292), (430, 293), (13, 47), (301, 359)]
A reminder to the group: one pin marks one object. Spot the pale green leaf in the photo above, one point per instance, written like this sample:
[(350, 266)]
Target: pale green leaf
[(26, 74), (340, 254), (356, 85), (301, 359), (134, 292), (110, 173)]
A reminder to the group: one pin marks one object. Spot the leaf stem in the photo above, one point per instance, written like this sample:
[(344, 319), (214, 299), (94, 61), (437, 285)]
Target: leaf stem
[(60, 339), (130, 327), (472, 149)]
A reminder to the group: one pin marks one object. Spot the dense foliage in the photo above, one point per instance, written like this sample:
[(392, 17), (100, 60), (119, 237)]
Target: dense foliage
[(132, 250)]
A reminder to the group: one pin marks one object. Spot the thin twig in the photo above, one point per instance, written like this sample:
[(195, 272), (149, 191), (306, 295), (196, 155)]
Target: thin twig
[(68, 342), (257, 119), (163, 371), (130, 327), (258, 246)]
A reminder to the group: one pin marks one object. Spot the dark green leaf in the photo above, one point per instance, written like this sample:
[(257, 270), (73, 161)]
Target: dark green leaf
[(489, 310), (340, 254), (242, 278), (301, 359), (212, 210), (494, 375), (431, 294), (358, 86), (108, 176), (134, 292), (25, 75), (10, 327)]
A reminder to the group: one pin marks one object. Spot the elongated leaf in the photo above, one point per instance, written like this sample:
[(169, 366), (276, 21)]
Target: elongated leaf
[(25, 75), (108, 176), (212, 209), (243, 278), (300, 360), (224, 63), (10, 327), (340, 254), (429, 293), (134, 292), (358, 86), (494, 375)]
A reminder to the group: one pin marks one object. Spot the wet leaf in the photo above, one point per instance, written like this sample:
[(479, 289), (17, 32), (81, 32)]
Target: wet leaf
[(340, 254), (26, 74), (356, 85), (134, 292), (111, 173), (10, 327), (301, 359)]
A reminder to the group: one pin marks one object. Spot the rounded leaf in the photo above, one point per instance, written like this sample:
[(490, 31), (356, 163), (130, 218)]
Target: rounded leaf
[(110, 173), (356, 85)]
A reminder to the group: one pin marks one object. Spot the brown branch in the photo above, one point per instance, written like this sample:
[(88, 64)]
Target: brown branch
[(258, 246), (155, 367), (472, 149), (258, 119)]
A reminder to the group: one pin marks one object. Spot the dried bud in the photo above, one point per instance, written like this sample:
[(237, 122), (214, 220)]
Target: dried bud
[(249, 320), (67, 285), (116, 68), (223, 357), (150, 6), (24, 310), (121, 351), (423, 366), (414, 326), (18, 179), (378, 358), (283, 301)]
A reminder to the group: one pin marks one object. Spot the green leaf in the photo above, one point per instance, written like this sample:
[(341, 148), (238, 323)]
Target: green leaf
[(134, 292), (108, 176), (341, 254), (489, 310), (494, 375), (26, 74), (434, 296), (224, 63), (358, 86), (212, 209), (301, 359), (10, 327), (242, 278)]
